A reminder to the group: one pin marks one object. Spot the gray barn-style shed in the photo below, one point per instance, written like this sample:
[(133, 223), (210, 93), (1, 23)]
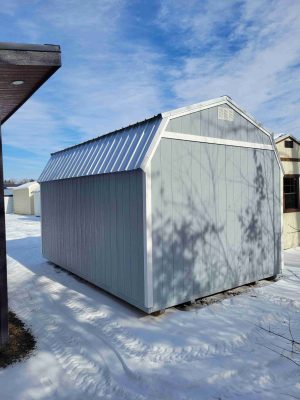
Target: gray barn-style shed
[(168, 210)]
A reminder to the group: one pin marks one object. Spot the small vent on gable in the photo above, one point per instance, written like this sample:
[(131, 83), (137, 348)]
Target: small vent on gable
[(226, 114)]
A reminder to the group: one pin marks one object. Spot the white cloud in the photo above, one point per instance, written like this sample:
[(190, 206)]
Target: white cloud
[(113, 90), (190, 51), (104, 83), (259, 75), (36, 128)]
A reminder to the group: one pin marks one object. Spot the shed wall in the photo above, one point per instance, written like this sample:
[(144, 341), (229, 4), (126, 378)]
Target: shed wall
[(216, 219), (37, 203), (23, 202), (207, 123), (93, 227), (291, 230), (8, 204)]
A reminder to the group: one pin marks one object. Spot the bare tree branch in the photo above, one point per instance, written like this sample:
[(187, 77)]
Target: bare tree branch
[(280, 354), (290, 395), (293, 273), (278, 334)]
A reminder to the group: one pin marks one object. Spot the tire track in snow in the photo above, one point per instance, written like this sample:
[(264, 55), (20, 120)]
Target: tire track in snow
[(131, 346)]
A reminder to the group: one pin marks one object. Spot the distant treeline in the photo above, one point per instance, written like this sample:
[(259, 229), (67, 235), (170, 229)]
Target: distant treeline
[(14, 182)]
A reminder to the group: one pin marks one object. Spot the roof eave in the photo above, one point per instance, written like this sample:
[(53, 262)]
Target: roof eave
[(30, 47), (284, 137), (33, 64), (31, 92)]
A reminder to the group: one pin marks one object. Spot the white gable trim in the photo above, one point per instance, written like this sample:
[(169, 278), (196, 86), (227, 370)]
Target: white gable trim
[(155, 142), (212, 140), (167, 116), (147, 221), (179, 112)]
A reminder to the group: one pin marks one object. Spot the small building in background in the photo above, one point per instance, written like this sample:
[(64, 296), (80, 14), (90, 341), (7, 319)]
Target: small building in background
[(23, 198), (289, 151), (37, 202), (8, 191), (179, 206), (8, 200)]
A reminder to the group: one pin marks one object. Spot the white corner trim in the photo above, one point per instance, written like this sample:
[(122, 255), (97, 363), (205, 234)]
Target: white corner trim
[(212, 140), (281, 221), (155, 142), (147, 220), (277, 154)]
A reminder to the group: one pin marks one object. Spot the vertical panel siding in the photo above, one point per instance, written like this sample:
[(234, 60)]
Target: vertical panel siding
[(167, 226), (205, 228), (158, 222), (221, 188), (216, 219), (93, 227), (206, 123)]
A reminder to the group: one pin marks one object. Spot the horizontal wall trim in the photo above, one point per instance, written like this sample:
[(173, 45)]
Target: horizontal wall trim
[(289, 159), (206, 139)]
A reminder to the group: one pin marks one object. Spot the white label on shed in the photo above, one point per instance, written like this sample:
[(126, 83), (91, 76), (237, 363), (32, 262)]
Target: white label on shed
[(227, 114)]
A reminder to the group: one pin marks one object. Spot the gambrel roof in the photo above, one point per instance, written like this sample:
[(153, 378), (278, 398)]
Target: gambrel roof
[(122, 150), (131, 148)]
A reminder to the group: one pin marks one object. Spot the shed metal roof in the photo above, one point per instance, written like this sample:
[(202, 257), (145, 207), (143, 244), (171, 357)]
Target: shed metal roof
[(126, 149), (122, 150)]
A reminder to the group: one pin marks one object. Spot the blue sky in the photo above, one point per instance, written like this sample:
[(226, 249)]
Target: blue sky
[(124, 61)]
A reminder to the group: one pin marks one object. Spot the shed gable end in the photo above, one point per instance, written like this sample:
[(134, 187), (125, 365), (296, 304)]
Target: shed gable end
[(221, 122)]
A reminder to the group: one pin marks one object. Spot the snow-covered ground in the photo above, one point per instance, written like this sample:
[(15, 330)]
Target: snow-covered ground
[(93, 346)]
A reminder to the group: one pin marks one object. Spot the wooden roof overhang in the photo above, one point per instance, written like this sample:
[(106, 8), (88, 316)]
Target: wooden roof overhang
[(32, 64)]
